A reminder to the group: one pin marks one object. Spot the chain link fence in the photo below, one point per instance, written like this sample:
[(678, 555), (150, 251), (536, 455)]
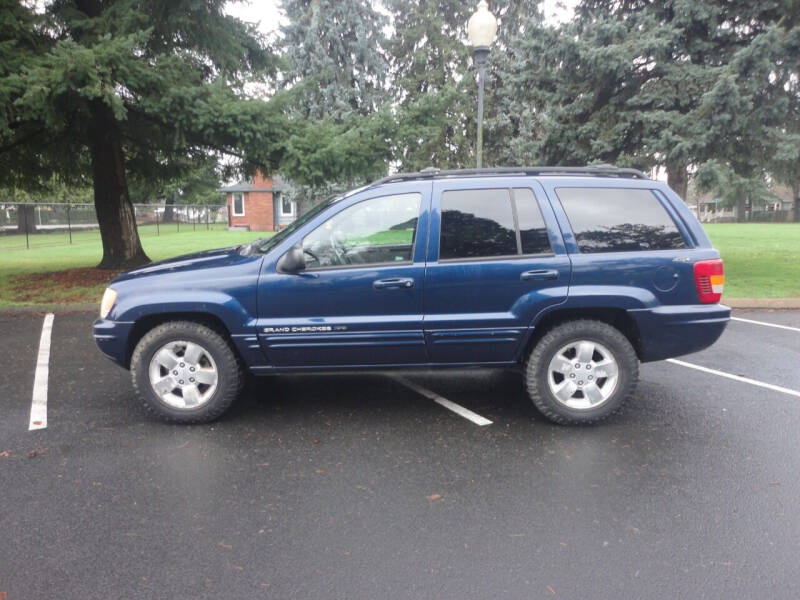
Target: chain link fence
[(41, 224)]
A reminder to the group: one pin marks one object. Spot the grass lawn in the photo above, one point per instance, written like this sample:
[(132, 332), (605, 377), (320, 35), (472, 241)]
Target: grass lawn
[(761, 260), (45, 257)]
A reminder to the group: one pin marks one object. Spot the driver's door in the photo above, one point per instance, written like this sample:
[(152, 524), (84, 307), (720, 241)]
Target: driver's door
[(358, 302)]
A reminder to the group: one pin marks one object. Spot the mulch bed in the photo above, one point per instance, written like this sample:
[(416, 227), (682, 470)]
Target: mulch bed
[(72, 285)]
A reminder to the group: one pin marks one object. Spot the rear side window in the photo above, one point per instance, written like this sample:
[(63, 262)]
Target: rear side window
[(477, 223), (617, 220), (491, 223)]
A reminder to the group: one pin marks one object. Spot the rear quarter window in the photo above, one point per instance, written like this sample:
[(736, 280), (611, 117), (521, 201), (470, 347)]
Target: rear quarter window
[(618, 220)]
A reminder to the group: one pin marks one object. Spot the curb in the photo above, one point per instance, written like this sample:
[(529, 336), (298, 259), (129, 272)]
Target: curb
[(779, 303), (45, 308)]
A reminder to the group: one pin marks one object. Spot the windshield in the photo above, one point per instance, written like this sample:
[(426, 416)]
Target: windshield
[(264, 245)]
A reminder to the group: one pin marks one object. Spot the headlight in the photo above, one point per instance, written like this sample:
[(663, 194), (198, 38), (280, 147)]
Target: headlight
[(109, 297)]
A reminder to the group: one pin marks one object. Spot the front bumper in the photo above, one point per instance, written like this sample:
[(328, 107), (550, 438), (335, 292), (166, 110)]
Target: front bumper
[(668, 331), (112, 339)]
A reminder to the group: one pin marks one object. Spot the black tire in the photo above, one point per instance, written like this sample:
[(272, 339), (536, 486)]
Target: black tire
[(230, 377), (537, 367)]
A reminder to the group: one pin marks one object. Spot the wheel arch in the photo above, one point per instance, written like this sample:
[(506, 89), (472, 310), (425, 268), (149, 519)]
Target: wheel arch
[(619, 318), (148, 322)]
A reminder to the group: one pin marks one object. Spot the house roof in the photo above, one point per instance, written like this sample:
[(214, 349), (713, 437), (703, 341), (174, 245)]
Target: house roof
[(278, 185)]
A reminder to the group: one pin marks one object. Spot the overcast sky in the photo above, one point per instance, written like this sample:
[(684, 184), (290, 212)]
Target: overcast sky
[(268, 15)]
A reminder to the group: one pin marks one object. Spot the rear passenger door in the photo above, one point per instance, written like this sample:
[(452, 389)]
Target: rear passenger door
[(495, 259)]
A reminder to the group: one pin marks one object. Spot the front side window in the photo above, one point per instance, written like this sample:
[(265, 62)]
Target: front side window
[(377, 231), (238, 205), (618, 220), (491, 223)]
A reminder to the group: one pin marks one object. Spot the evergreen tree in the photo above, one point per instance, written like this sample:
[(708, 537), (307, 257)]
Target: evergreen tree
[(334, 57), (435, 83), (336, 80), (101, 90), (435, 96), (506, 119), (636, 82)]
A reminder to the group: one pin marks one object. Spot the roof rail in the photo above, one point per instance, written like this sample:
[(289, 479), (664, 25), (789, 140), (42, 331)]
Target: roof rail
[(434, 173)]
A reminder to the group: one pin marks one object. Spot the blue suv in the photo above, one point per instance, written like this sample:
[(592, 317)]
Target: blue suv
[(573, 275)]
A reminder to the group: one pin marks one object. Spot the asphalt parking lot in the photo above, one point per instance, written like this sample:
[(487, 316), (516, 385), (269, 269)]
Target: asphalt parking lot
[(358, 486)]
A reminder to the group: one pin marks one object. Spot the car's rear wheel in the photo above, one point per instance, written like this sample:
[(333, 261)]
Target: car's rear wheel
[(581, 372), (185, 372)]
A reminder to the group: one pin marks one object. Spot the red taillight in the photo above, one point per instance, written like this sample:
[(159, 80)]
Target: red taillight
[(709, 276)]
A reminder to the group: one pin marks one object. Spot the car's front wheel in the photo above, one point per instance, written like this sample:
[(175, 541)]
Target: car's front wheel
[(581, 372), (185, 372)]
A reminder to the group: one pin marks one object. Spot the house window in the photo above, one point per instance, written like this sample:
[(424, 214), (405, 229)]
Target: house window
[(238, 205), (287, 207)]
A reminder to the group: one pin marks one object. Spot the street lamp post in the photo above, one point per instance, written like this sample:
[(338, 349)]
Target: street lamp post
[(481, 30)]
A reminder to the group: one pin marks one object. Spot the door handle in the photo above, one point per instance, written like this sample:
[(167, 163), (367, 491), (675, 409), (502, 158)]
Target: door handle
[(539, 274), (393, 283)]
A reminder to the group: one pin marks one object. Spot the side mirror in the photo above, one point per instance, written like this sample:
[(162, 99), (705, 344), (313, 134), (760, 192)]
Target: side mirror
[(293, 261)]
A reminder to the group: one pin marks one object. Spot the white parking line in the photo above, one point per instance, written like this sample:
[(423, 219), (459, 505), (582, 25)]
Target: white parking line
[(797, 329), (456, 408), (769, 386), (39, 398)]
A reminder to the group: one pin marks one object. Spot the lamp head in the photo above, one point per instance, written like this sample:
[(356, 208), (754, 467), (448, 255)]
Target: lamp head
[(482, 26)]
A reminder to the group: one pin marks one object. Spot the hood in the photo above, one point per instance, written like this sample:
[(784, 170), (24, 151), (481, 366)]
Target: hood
[(218, 257)]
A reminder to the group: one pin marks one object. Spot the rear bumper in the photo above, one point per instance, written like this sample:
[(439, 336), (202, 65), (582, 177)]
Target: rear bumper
[(112, 339), (669, 331)]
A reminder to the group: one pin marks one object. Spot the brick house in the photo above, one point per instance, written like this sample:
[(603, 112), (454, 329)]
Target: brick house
[(260, 204)]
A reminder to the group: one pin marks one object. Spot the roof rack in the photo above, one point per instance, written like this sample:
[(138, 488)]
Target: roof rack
[(434, 173)]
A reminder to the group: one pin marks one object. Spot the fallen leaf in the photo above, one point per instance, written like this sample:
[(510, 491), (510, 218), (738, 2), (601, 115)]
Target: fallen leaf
[(434, 496), (32, 454), (5, 453), (321, 471), (226, 546), (551, 590), (316, 440)]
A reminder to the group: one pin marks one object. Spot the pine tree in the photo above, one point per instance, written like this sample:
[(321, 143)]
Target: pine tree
[(646, 83), (100, 90), (335, 79), (435, 96), (334, 57)]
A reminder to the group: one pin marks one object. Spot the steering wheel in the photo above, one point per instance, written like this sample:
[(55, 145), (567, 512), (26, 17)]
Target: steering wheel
[(311, 254), (338, 249)]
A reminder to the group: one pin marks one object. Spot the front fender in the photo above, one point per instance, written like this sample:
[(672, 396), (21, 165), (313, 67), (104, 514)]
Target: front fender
[(237, 316)]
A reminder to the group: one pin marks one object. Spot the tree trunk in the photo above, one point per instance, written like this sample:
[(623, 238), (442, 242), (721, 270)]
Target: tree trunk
[(741, 208), (26, 218), (121, 245), (678, 180), (169, 210), (796, 204)]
